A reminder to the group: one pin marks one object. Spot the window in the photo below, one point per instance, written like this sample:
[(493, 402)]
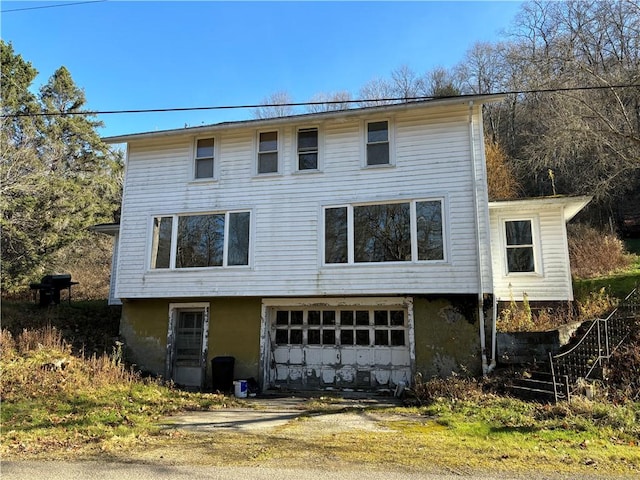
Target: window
[(308, 149), (268, 152), (204, 158), (381, 327), (207, 240), (385, 232), (378, 143), (519, 237)]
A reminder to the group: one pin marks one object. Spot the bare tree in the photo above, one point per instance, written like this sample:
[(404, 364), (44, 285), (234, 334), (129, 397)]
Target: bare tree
[(376, 92), (329, 102), (440, 82), (277, 104)]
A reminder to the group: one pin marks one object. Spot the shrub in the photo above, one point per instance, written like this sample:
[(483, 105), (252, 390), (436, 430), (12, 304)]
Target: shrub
[(595, 253), (453, 388)]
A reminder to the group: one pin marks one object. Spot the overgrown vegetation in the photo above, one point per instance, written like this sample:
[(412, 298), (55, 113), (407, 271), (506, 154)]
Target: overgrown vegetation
[(54, 401), (595, 253)]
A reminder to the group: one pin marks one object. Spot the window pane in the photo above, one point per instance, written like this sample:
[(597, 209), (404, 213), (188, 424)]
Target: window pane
[(308, 161), (380, 317), (308, 140), (268, 142), (313, 337), (296, 337), (329, 317), (161, 242), (397, 338), (200, 241), (296, 317), (282, 317), (362, 317), (268, 163), (362, 337), (429, 217), (520, 259), (204, 168), (378, 154), (397, 318), (382, 233), (346, 337), (519, 232), (382, 337), (328, 337), (238, 243), (335, 235), (346, 318), (204, 148), (282, 336), (377, 132), (313, 317)]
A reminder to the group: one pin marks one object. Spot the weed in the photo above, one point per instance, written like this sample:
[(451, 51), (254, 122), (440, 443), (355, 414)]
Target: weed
[(595, 253)]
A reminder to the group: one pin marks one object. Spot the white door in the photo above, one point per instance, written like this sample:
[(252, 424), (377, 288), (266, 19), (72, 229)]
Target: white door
[(340, 347)]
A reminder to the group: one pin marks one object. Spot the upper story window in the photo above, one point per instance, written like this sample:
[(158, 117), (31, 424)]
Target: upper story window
[(519, 244), (385, 232), (204, 158), (268, 152), (308, 149), (207, 240), (377, 140)]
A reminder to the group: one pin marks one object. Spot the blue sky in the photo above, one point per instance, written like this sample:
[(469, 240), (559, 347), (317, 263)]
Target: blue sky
[(151, 54)]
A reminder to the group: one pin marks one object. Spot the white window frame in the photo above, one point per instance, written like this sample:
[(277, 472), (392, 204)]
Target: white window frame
[(174, 241), (278, 151), (535, 238), (296, 152), (414, 232), (390, 141), (194, 162)]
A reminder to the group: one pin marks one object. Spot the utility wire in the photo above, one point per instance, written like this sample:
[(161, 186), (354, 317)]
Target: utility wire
[(370, 101), (50, 6)]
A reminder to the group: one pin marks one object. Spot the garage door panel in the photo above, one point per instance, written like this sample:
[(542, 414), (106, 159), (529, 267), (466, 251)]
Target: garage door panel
[(348, 347)]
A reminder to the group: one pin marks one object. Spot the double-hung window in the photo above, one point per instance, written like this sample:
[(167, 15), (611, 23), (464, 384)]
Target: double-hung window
[(204, 158), (267, 152), (408, 231), (378, 143), (202, 240), (308, 149), (519, 245)]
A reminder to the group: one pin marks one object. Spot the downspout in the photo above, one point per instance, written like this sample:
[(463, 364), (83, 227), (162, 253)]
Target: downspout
[(485, 366)]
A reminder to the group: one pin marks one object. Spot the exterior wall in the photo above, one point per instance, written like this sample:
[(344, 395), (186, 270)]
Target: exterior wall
[(433, 158), (446, 339), (112, 279), (553, 280), (234, 330)]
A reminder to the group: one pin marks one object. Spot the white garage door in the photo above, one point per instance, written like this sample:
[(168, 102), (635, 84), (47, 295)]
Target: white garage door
[(341, 347)]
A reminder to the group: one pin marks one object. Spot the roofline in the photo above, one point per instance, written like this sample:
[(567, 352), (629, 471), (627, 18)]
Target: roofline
[(573, 203), (352, 112)]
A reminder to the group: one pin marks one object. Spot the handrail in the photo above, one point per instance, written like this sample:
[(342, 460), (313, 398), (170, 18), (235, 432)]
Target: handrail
[(594, 357)]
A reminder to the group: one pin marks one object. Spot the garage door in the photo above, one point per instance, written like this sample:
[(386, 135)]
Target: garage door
[(341, 347)]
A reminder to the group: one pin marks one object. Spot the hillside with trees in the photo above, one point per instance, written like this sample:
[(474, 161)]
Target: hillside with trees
[(57, 176)]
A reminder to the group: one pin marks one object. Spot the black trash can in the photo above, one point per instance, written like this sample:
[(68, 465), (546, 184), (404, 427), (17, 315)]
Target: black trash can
[(222, 373)]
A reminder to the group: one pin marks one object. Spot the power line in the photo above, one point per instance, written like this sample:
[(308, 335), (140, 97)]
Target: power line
[(50, 6), (378, 101)]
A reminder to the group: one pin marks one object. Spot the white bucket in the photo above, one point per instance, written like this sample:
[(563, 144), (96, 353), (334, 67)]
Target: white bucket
[(240, 388)]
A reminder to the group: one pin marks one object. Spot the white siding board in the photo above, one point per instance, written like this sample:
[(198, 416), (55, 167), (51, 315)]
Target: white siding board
[(432, 158)]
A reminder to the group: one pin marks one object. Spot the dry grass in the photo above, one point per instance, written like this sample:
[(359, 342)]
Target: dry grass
[(595, 253)]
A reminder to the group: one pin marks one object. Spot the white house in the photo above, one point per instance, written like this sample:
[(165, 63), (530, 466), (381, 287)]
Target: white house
[(341, 249)]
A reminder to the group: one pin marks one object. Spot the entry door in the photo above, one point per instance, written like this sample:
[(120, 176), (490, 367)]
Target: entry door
[(188, 350)]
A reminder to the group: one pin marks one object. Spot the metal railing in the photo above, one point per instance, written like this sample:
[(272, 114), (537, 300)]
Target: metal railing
[(587, 358)]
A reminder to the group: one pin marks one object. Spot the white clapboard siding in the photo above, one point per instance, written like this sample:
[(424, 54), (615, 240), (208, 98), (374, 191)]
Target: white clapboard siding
[(553, 280), (433, 159)]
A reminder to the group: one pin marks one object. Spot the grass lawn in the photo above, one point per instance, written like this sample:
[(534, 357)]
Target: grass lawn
[(618, 284)]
